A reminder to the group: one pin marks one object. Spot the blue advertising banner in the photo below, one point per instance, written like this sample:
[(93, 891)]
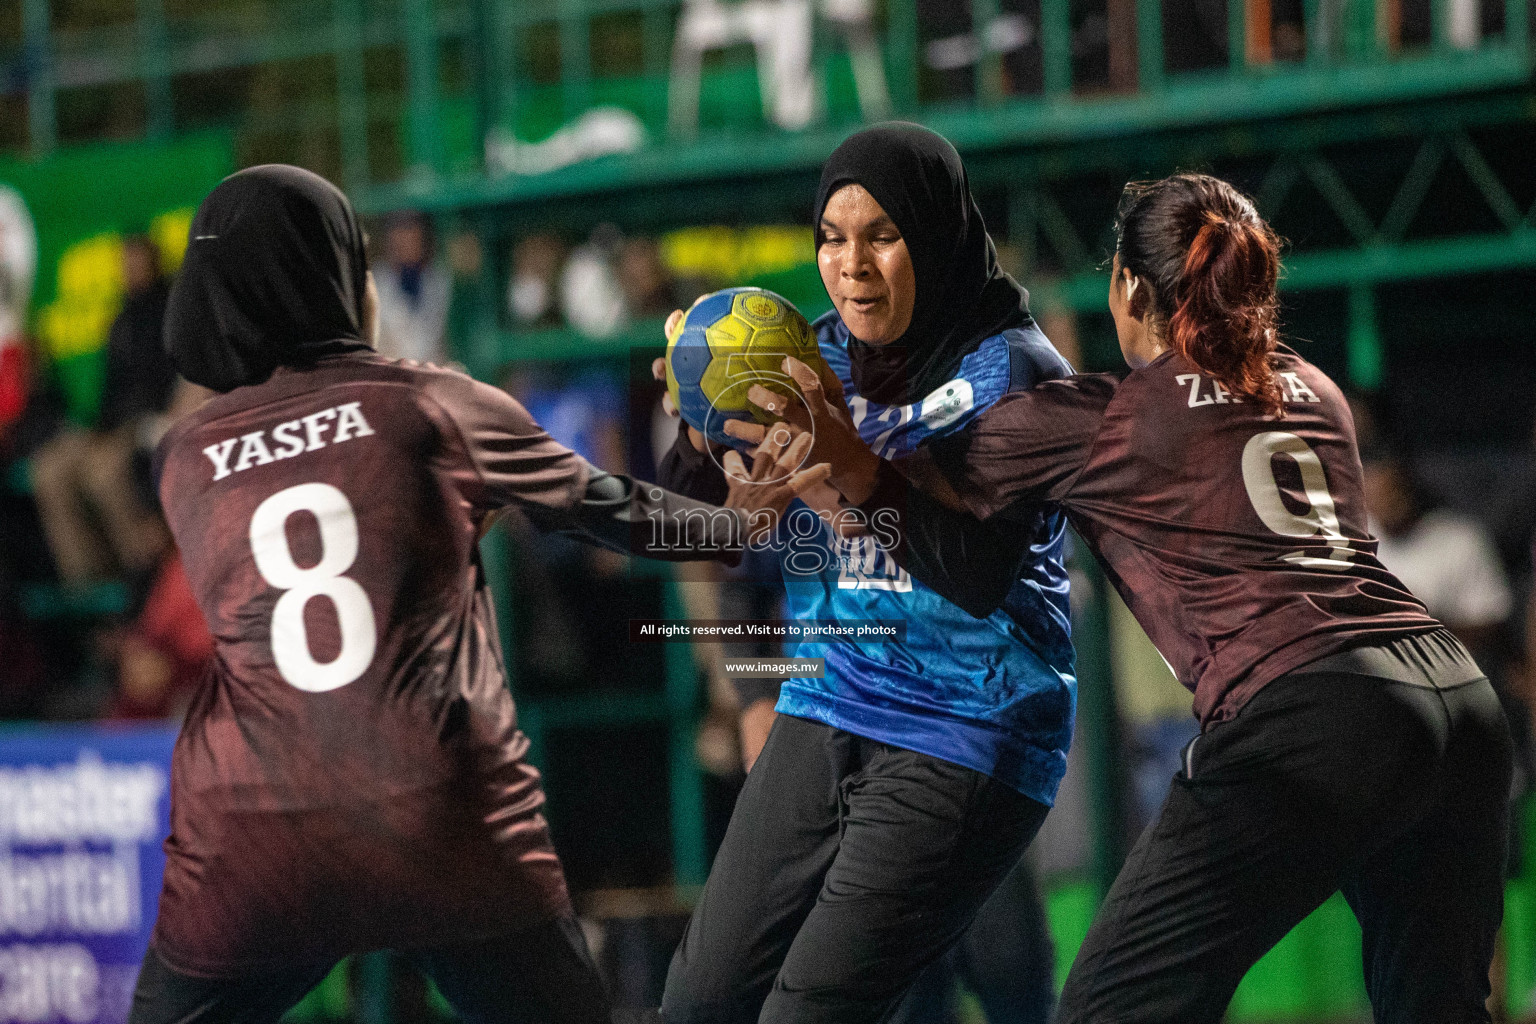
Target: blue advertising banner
[(83, 813)]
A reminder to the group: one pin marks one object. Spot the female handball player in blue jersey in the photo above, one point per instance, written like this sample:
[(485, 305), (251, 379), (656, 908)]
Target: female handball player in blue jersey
[(893, 794), (1348, 740)]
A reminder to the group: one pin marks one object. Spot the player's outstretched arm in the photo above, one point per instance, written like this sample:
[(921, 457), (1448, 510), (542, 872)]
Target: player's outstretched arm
[(635, 517), (497, 456), (1029, 447)]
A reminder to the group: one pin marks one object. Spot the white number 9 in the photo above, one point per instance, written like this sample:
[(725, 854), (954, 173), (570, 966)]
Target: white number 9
[(338, 550), (1322, 518)]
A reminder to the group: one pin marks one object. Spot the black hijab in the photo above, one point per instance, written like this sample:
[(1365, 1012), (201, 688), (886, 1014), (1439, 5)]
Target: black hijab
[(963, 296), (274, 275)]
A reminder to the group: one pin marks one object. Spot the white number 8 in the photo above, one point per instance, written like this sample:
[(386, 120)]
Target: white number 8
[(1322, 517), (338, 550)]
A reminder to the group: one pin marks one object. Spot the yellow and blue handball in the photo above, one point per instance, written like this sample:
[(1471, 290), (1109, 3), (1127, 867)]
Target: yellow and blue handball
[(728, 341)]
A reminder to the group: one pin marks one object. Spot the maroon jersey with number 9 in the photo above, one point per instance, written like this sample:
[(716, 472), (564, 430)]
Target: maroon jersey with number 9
[(1237, 539), (351, 775)]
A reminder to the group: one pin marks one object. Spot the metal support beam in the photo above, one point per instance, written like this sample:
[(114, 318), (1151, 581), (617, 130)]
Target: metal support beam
[(575, 58), (1440, 24), (656, 48), (155, 45), (1487, 182), (1410, 261), (482, 348), (511, 31), (486, 46), (1410, 194), (1363, 343), (1349, 268), (421, 56), (351, 92), (1099, 712), (1056, 46), (1321, 35), (1516, 25), (1339, 199), (37, 41), (1360, 33), (989, 64), (901, 43), (1237, 35), (1149, 44), (689, 858)]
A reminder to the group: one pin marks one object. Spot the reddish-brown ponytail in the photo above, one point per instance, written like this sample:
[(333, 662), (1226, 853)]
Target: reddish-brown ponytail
[(1212, 264)]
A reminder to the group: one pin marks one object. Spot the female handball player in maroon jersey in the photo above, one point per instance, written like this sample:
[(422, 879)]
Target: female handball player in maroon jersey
[(1348, 740), (350, 775)]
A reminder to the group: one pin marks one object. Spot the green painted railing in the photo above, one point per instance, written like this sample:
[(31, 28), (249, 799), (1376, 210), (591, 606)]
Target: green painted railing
[(427, 79)]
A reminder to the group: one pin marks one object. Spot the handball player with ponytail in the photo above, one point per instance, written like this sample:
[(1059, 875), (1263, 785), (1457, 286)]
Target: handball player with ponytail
[(1348, 741)]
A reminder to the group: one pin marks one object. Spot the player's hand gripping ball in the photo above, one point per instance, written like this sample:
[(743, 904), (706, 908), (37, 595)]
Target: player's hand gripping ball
[(728, 341)]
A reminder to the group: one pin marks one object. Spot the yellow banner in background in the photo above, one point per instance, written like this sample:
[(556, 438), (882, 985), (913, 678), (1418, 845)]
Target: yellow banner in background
[(89, 289), (84, 202), (731, 255)]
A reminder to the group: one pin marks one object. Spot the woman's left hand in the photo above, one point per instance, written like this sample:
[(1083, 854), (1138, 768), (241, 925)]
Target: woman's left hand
[(824, 416)]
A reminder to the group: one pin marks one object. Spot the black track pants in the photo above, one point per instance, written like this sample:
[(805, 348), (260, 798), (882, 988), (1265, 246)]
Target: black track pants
[(543, 975), (1392, 792), (1006, 959), (848, 867)]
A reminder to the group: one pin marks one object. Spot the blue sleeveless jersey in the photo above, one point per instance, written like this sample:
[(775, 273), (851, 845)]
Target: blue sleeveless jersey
[(997, 694)]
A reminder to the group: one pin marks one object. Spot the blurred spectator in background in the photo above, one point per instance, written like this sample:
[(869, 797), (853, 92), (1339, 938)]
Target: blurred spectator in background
[(1447, 559), (536, 263), (582, 408), (1288, 38), (598, 288), (18, 266), (471, 304), (1528, 691), (1362, 409), (414, 292), (648, 286), (956, 43), (161, 655), (591, 298), (94, 514), (563, 647)]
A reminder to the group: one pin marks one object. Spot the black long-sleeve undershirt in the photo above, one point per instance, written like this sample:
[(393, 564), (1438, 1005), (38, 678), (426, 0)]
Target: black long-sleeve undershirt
[(690, 472), (969, 563), (634, 517)]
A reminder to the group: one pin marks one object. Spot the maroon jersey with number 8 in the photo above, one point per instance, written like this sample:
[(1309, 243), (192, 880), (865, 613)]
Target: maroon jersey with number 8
[(1237, 539), (351, 775)]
